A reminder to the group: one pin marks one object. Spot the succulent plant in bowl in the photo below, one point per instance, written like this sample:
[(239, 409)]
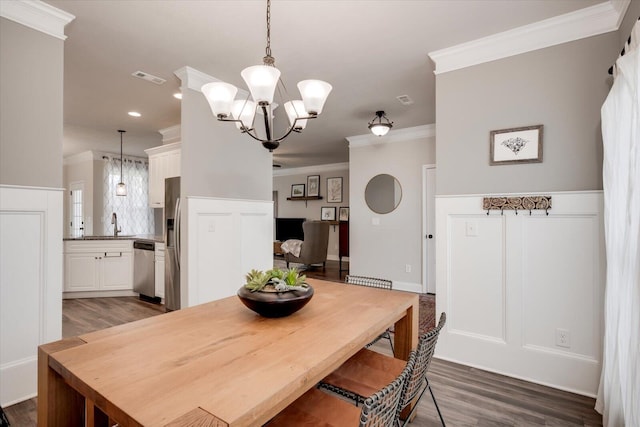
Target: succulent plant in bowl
[(275, 293), (276, 280)]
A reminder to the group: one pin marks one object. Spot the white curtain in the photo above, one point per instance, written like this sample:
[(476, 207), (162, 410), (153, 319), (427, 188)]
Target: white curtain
[(133, 211), (619, 392)]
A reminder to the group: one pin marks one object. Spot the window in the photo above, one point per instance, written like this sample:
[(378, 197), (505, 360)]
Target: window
[(134, 214)]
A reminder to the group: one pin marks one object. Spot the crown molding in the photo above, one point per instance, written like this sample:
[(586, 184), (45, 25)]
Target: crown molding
[(171, 134), (591, 21), (331, 167), (37, 15), (394, 135), (85, 156), (195, 79)]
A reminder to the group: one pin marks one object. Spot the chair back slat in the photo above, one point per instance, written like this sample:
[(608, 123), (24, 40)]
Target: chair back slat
[(383, 408), (371, 282), (424, 354)]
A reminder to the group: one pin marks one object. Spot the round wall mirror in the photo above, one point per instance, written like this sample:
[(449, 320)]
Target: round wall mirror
[(383, 193)]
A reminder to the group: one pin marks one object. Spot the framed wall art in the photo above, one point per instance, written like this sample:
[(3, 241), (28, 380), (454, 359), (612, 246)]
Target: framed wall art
[(517, 145), (313, 185), (334, 190), (343, 213), (328, 213), (297, 190)]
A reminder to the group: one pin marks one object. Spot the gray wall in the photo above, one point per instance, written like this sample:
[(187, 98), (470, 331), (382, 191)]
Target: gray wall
[(630, 18), (31, 79), (217, 160), (383, 250), (561, 87), (311, 210)]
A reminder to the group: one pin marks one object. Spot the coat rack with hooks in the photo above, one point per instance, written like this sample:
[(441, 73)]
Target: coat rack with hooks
[(516, 203)]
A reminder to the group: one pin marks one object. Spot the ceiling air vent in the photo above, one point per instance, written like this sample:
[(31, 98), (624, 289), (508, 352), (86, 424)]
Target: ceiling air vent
[(148, 77), (404, 99)]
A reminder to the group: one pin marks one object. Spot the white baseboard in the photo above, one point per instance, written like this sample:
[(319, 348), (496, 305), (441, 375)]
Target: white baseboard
[(21, 376), (98, 294), (407, 286)]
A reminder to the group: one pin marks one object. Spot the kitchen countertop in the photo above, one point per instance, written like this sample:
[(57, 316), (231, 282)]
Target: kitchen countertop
[(148, 237)]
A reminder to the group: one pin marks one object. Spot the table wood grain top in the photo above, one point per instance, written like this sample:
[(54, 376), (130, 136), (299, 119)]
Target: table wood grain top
[(222, 359)]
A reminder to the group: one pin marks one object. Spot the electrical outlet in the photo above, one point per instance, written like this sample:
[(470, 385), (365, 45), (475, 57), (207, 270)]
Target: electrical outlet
[(407, 268), (563, 338)]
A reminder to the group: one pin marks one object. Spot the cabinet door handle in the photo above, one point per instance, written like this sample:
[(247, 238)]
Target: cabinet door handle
[(113, 256)]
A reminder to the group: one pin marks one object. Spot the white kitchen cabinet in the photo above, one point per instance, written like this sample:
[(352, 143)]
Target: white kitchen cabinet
[(159, 269), (164, 162), (98, 265)]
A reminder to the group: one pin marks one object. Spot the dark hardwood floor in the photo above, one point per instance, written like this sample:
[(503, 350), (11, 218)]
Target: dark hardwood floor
[(466, 396)]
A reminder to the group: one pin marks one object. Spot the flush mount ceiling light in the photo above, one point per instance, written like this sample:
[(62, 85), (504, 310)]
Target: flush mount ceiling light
[(177, 95), (379, 128), (134, 114), (262, 81), (121, 189)]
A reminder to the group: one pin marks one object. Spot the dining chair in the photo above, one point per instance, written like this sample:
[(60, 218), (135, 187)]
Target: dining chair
[(373, 282), (318, 408), (367, 369)]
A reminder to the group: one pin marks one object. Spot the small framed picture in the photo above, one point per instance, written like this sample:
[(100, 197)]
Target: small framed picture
[(517, 145), (343, 213), (313, 185), (328, 213), (334, 190), (297, 190)]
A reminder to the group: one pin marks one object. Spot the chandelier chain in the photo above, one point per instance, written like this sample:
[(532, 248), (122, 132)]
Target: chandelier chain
[(268, 59)]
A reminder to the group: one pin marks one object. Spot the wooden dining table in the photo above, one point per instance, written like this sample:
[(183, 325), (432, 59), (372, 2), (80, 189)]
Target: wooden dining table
[(215, 364)]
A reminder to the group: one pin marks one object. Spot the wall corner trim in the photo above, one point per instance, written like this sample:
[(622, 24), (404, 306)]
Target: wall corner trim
[(171, 134), (37, 15), (395, 135), (590, 21), (195, 79)]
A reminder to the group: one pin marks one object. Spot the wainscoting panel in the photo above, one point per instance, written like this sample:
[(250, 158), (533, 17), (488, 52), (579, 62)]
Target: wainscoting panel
[(30, 284), (225, 239), (523, 293), (564, 280), (476, 276)]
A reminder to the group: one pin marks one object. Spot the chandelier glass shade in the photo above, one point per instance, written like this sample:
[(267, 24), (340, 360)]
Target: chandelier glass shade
[(380, 128), (121, 189), (262, 81)]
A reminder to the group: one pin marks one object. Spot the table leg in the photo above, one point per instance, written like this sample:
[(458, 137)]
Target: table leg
[(405, 340), (406, 332), (59, 405)]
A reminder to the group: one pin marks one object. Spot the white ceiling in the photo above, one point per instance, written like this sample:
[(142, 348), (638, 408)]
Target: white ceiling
[(370, 51)]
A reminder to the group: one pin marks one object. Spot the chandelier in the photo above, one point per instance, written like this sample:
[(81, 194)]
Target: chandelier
[(262, 81)]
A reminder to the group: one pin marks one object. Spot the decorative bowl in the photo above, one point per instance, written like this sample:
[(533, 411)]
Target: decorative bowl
[(275, 304)]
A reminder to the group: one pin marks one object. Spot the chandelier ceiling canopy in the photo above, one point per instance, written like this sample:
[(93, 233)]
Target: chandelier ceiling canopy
[(262, 81)]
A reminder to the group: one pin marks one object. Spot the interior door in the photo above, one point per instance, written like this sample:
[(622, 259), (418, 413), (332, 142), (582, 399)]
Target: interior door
[(429, 227)]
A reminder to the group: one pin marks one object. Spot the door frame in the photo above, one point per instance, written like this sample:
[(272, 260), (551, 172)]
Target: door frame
[(428, 211)]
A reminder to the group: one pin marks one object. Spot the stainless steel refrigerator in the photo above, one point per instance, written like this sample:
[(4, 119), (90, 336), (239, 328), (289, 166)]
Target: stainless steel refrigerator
[(172, 243)]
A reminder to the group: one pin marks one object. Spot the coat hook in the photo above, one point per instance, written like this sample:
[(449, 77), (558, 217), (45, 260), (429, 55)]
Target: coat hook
[(516, 211), (547, 211), (529, 212), (501, 211), (487, 212)]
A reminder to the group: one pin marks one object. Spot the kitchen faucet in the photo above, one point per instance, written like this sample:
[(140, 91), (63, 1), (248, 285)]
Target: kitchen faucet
[(114, 221)]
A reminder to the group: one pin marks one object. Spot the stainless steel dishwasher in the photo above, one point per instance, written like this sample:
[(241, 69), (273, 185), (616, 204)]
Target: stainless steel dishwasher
[(144, 279)]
